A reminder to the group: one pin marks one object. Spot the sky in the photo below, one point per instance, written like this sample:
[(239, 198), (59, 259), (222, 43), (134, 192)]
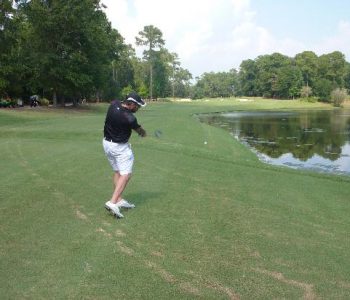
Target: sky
[(217, 35)]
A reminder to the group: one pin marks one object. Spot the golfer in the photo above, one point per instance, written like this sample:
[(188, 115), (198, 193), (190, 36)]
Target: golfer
[(119, 123)]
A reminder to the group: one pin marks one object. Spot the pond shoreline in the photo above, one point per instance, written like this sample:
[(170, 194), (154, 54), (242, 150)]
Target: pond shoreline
[(317, 140)]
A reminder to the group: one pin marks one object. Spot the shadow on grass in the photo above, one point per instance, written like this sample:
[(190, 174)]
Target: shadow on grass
[(144, 197)]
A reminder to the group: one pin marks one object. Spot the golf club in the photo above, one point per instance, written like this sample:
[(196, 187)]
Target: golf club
[(158, 133)]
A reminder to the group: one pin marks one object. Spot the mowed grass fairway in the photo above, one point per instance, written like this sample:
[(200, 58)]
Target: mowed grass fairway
[(211, 221)]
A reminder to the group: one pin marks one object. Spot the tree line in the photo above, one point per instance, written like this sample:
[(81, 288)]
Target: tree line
[(306, 74), (66, 50)]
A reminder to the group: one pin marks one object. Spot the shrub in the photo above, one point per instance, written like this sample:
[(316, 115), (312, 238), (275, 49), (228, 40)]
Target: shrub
[(338, 96), (143, 91), (294, 92), (126, 90), (323, 88), (306, 92), (312, 99), (44, 102), (7, 103)]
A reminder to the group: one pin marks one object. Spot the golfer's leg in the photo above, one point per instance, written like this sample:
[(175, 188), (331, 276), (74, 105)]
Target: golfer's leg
[(122, 181), (116, 178)]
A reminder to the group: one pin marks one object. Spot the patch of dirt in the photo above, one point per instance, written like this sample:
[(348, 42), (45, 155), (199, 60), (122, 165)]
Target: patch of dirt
[(126, 250), (162, 272), (308, 288), (157, 253), (255, 254), (170, 278), (120, 233), (232, 295), (187, 287), (80, 215), (104, 232), (344, 285)]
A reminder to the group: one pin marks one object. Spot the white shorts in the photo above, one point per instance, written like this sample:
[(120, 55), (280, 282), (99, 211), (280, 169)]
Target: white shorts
[(120, 156)]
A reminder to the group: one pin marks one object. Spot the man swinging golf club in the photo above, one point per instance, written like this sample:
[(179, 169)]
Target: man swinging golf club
[(119, 123)]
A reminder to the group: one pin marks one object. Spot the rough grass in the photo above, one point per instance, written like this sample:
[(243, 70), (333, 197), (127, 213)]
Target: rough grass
[(211, 221)]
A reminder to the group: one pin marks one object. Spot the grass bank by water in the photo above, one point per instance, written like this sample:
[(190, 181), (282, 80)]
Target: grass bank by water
[(211, 221)]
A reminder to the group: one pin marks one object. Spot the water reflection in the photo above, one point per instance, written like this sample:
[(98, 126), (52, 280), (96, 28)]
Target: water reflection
[(318, 140)]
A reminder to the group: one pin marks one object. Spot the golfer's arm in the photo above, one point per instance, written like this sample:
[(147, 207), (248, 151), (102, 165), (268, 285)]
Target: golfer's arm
[(140, 131)]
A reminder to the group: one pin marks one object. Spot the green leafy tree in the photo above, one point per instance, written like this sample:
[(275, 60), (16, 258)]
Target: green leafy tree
[(268, 67), (213, 85), (289, 82), (7, 43), (141, 69), (174, 61), (323, 88), (277, 75), (143, 90), (332, 67), (178, 82), (182, 85), (247, 78), (152, 37), (17, 73), (73, 45), (162, 73), (307, 62), (123, 73), (347, 76)]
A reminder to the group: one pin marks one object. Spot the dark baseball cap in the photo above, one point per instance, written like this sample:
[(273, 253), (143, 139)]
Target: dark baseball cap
[(134, 97)]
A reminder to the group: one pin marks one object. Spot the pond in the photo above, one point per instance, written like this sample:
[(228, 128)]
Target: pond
[(315, 140)]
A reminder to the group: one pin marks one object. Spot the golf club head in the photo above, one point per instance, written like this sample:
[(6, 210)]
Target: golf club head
[(158, 133)]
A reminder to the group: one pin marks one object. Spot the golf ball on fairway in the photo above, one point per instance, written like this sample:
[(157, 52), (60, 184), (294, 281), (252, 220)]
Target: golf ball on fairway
[(205, 142)]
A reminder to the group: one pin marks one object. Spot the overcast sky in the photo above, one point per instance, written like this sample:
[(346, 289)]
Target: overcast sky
[(217, 35)]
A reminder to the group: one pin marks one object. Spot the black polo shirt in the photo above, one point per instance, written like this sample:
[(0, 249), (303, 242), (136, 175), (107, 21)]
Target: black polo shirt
[(119, 123)]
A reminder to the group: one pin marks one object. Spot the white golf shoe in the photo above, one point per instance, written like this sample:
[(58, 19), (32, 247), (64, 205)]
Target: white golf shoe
[(125, 204), (114, 209)]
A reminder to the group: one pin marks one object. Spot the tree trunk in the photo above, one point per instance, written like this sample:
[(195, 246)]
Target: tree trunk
[(173, 83), (54, 98), (62, 101), (97, 96), (151, 81)]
